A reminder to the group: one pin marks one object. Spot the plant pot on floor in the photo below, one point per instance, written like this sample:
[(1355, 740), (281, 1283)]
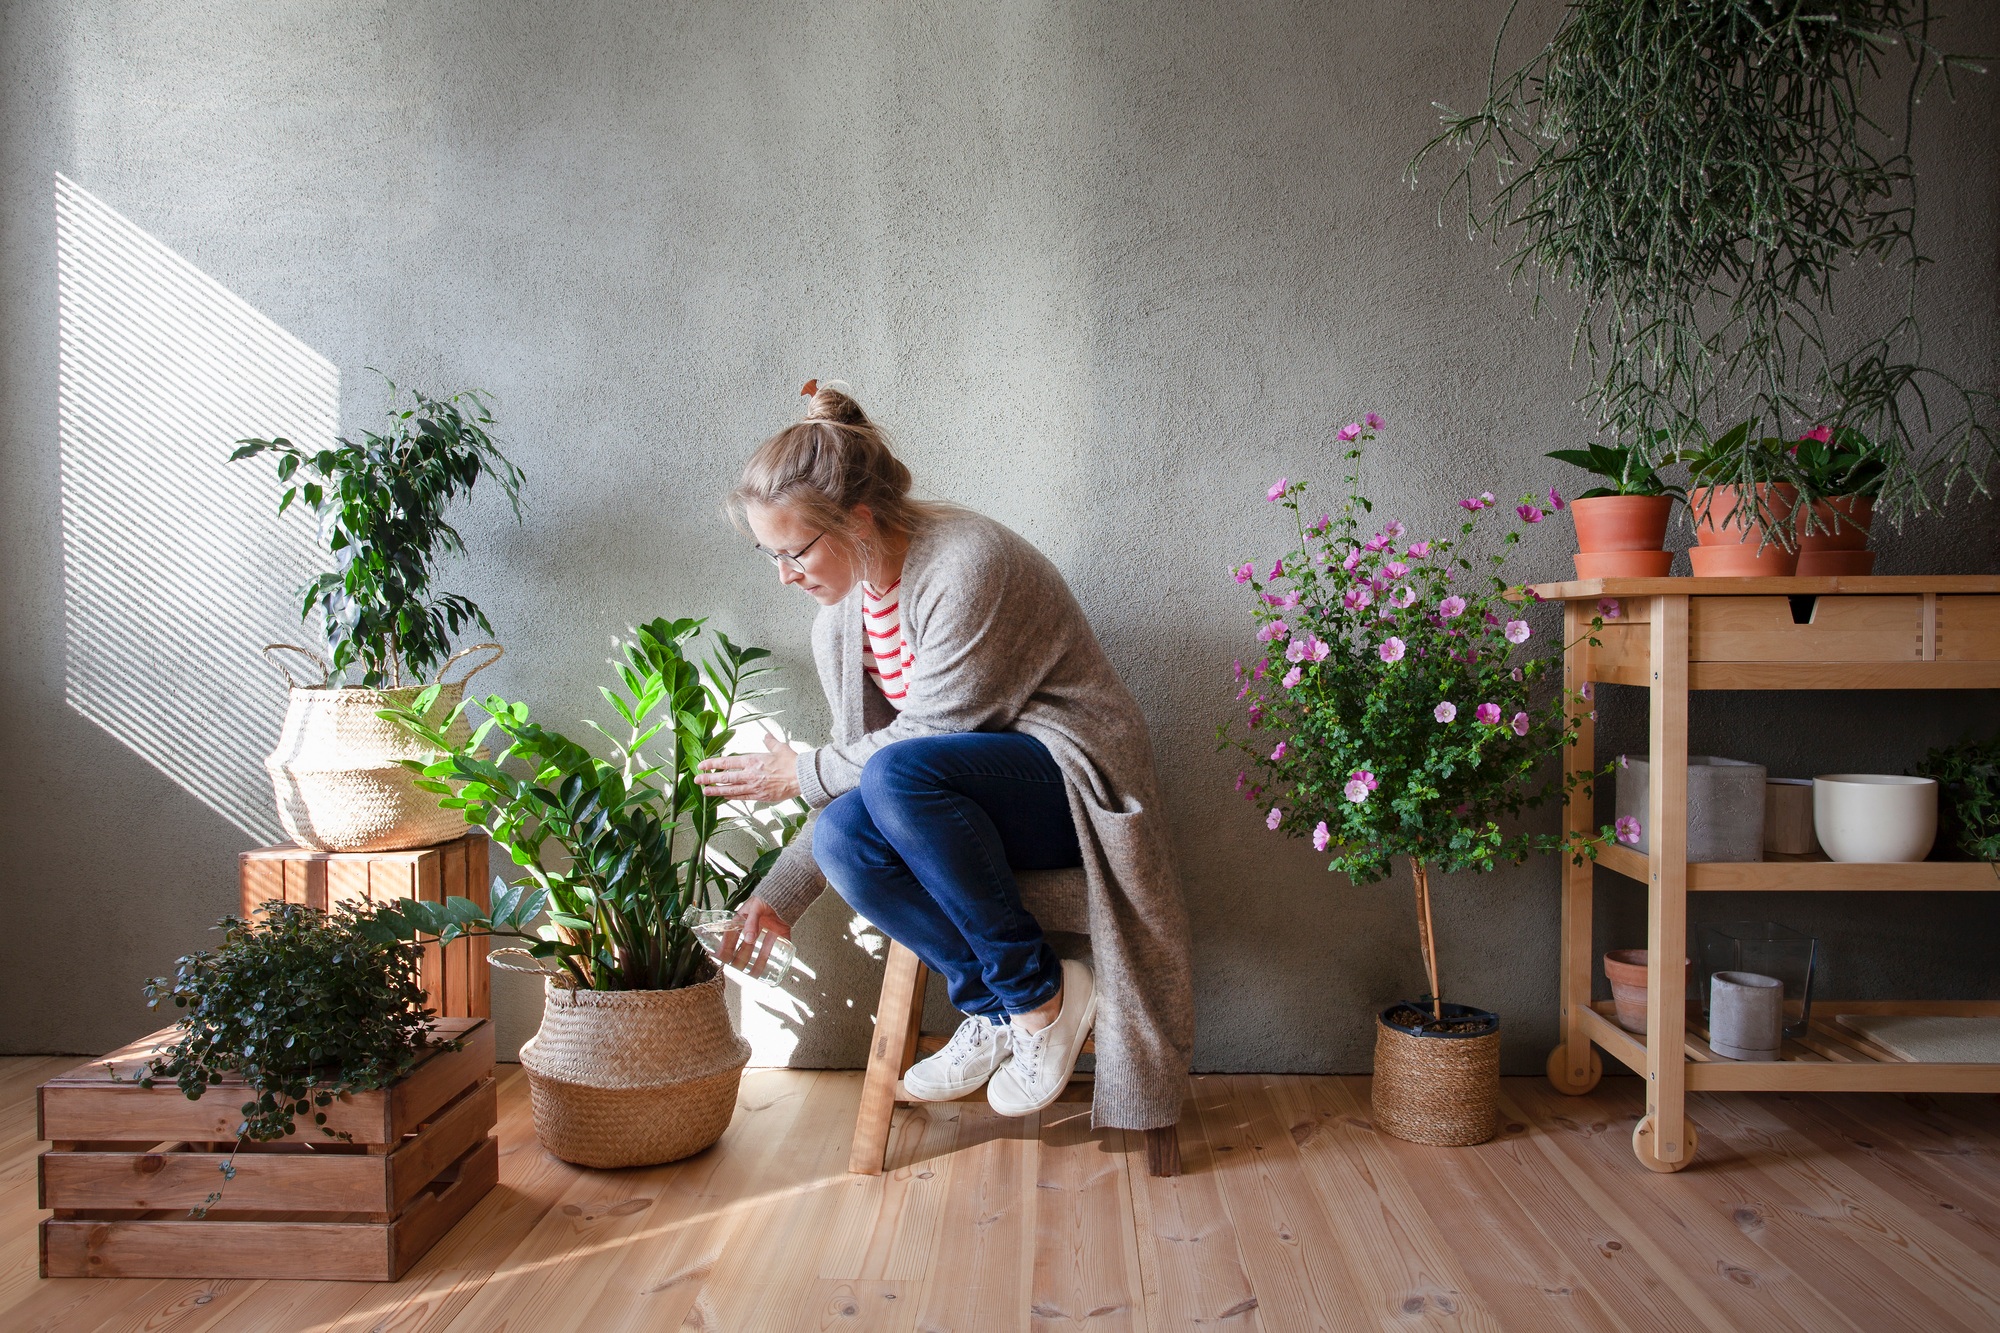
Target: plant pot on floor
[(1731, 549), (1622, 536), (337, 771), (1437, 1081), (633, 1078), (1840, 546), (1626, 970)]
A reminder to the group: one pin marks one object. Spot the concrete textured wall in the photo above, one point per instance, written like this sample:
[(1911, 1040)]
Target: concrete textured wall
[(1106, 269)]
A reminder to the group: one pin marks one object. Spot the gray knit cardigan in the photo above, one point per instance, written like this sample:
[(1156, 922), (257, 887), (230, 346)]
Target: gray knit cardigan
[(1001, 645)]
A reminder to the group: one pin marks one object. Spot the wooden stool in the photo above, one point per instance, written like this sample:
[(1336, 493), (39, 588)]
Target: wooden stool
[(1056, 898)]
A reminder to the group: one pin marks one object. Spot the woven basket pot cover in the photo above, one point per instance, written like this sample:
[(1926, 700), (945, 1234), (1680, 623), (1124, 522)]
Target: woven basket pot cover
[(633, 1078), (336, 775), (1437, 1090)]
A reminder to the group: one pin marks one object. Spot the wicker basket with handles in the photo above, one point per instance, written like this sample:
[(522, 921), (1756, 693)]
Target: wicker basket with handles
[(337, 771), (1438, 1086), (634, 1077)]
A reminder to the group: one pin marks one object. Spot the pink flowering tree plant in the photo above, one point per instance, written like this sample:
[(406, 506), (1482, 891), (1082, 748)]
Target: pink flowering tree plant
[(1397, 707)]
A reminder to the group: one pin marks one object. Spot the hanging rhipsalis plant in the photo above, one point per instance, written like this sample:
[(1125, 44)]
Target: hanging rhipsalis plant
[(1700, 175), (1396, 710), (381, 506)]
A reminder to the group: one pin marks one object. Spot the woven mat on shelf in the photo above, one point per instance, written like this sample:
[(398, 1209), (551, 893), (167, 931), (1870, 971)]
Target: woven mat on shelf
[(1930, 1038)]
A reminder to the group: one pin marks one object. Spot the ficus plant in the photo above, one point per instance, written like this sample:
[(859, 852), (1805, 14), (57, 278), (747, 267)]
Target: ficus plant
[(616, 851), (1396, 710), (307, 1006), (1698, 179), (381, 505)]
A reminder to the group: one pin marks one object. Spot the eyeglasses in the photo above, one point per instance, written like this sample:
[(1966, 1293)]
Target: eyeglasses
[(789, 559)]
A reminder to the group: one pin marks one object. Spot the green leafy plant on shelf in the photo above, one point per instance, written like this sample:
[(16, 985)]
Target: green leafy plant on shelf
[(616, 851), (1700, 178), (1626, 469), (307, 1006), (1968, 778), (381, 506)]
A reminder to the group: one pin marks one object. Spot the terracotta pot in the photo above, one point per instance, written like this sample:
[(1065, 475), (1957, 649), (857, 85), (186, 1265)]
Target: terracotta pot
[(1853, 513), (1621, 522), (1714, 506), (1743, 562), (1831, 564), (1623, 564), (1625, 969)]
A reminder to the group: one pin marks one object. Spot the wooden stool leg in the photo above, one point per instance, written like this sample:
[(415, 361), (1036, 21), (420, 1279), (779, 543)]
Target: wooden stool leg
[(899, 1017), (1163, 1151)]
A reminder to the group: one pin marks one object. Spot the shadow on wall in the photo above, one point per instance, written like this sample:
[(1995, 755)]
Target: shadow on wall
[(175, 573)]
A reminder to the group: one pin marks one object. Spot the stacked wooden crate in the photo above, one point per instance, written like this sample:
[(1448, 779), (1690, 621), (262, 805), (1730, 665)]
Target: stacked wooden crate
[(128, 1166)]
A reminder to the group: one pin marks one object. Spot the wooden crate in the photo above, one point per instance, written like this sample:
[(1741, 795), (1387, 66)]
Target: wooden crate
[(126, 1163), (456, 977)]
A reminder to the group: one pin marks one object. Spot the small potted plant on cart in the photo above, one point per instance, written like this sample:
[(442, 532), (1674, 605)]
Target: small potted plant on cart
[(1621, 526)]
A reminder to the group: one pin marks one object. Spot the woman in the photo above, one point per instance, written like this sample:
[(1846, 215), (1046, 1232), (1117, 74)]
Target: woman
[(978, 729)]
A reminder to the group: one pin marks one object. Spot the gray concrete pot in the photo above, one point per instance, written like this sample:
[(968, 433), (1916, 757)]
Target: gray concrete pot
[(1725, 804)]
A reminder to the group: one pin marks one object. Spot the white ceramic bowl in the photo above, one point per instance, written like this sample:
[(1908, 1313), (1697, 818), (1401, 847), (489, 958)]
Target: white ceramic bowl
[(1875, 816)]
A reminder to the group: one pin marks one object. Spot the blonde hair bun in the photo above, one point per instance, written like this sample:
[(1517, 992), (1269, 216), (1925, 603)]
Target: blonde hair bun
[(827, 465)]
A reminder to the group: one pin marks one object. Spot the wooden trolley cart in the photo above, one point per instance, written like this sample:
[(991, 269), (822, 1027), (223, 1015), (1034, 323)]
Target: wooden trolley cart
[(1677, 635)]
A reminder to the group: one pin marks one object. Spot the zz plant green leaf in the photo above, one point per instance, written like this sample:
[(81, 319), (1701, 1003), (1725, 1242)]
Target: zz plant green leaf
[(616, 851), (381, 506)]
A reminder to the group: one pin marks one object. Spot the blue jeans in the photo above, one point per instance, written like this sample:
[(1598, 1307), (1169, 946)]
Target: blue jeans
[(925, 849)]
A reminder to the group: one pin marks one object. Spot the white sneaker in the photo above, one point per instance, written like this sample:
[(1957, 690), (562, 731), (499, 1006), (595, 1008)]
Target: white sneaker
[(977, 1049), (1042, 1062)]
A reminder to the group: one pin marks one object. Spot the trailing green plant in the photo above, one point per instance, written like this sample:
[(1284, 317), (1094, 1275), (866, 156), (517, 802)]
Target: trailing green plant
[(381, 505), (618, 850), (1968, 777), (1699, 174), (1625, 468), (306, 1005), (1395, 711)]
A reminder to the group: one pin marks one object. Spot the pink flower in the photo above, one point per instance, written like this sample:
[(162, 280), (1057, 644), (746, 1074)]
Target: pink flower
[(1279, 753), (1276, 629), (1528, 513), (1822, 434), (1237, 666), (1487, 496), (1520, 724), (1356, 598), (1257, 671), (1321, 837), (1628, 829), (1271, 820), (1242, 779), (1555, 500), (1588, 691), (1349, 433), (1419, 551), (1374, 422), (1474, 505), (1256, 715), (1286, 601), (1352, 561), (1516, 674), (1391, 649), (1490, 618), (1293, 677), (1277, 570), (1622, 762), (1452, 607), (1278, 489), (1517, 631), (1359, 786), (1323, 523), (1379, 542), (1394, 528), (1608, 608), (1395, 569), (1445, 711), (1245, 572), (1403, 596), (1295, 651), (1319, 649), (1488, 713)]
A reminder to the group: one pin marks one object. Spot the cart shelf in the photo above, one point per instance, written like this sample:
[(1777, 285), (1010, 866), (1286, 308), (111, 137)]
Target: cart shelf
[(1673, 636)]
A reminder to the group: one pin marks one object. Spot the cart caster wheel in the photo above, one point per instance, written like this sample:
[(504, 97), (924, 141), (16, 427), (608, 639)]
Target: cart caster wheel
[(1559, 1072), (1643, 1145)]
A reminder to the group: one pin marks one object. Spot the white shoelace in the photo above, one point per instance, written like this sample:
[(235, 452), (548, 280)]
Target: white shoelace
[(969, 1041), (1028, 1048)]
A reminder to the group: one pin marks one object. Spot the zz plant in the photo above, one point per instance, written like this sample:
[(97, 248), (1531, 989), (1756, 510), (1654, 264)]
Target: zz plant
[(617, 851), (1700, 176), (381, 505)]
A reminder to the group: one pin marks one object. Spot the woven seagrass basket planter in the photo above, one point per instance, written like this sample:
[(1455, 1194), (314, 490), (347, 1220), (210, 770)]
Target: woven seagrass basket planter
[(633, 1078), (337, 770), (1439, 1087)]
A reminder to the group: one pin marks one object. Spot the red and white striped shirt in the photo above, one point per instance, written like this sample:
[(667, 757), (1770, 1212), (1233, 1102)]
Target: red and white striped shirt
[(885, 654)]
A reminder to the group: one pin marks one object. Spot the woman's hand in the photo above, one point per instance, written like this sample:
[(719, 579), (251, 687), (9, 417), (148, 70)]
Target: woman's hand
[(750, 943), (768, 777)]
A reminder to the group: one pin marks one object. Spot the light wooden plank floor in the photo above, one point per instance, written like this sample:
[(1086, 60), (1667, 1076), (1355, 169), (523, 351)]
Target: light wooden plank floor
[(1814, 1213)]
